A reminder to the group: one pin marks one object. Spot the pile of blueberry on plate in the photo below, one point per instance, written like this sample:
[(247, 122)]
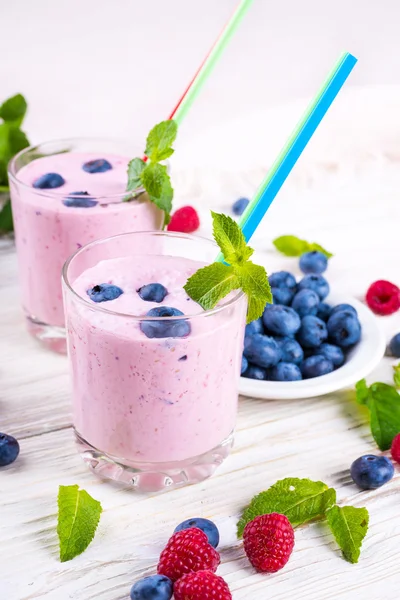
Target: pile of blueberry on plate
[(310, 341)]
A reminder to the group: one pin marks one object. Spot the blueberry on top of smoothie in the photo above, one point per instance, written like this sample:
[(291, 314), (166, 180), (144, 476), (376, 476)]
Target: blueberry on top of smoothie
[(48, 181), (153, 292), (80, 199), (104, 292), (165, 328), (98, 165)]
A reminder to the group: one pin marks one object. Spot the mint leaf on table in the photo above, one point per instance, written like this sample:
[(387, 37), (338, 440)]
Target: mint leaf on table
[(349, 526), (290, 245), (211, 284), (78, 518), (14, 109), (160, 140), (301, 500), (383, 402), (396, 375)]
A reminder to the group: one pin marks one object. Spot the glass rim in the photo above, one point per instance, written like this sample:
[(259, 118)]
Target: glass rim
[(238, 296), (55, 192)]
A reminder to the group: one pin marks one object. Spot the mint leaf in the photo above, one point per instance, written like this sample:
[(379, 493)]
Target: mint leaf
[(254, 282), (230, 239), (17, 140), (290, 245), (160, 140), (156, 181), (396, 375), (208, 285), (135, 168), (6, 220), (301, 500), (14, 109), (349, 526), (78, 517), (383, 403)]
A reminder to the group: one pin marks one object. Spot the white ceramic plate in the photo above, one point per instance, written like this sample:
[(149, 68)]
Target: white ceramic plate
[(362, 359)]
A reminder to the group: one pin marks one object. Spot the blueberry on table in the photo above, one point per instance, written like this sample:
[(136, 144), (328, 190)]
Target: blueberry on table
[(281, 320), (99, 165), (315, 366), (9, 449), (313, 263), (312, 333), (104, 292), (394, 345), (324, 311), (165, 327), (244, 365), (344, 308), (254, 327), (254, 372), (282, 279), (154, 587), (262, 350), (80, 200), (344, 329), (48, 181), (332, 353), (292, 352), (282, 295), (317, 283), (306, 302), (153, 292), (240, 206), (209, 528), (370, 472), (285, 371)]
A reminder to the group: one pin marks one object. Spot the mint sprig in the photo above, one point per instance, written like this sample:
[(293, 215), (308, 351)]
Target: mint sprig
[(290, 245), (349, 526), (383, 402), (150, 175), (211, 284), (78, 518)]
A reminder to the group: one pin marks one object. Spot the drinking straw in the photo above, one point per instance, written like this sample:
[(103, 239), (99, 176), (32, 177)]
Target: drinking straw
[(294, 146)]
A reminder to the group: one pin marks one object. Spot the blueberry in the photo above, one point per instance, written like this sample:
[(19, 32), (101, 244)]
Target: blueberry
[(104, 292), (282, 295), (394, 345), (155, 587), (370, 472), (292, 352), (244, 365), (324, 311), (285, 371), (80, 200), (9, 449), (313, 263), (262, 350), (209, 528), (254, 327), (281, 320), (168, 327), (344, 307), (282, 279), (306, 302), (153, 292), (315, 366), (48, 181), (240, 206), (332, 353), (99, 165), (312, 332), (254, 372), (344, 329), (317, 283)]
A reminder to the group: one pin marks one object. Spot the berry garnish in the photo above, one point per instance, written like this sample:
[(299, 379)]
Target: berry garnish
[(383, 297), (80, 200), (240, 206), (370, 472), (152, 292), (395, 449), (165, 327), (313, 262), (202, 585), (186, 551), (9, 449), (209, 528), (155, 587), (185, 220), (394, 345), (99, 165), (48, 181), (104, 292), (268, 542)]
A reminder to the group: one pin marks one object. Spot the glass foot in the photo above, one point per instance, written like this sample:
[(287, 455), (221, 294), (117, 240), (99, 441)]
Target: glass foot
[(50, 336), (154, 477)]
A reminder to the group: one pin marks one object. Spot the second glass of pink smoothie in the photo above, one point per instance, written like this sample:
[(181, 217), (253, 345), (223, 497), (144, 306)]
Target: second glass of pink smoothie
[(64, 195)]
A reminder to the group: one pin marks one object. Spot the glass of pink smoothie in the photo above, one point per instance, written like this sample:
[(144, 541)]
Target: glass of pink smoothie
[(154, 394), (64, 195)]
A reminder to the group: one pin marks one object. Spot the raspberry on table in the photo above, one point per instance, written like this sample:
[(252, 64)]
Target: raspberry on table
[(185, 220), (268, 542), (395, 449), (383, 297), (186, 551), (202, 585)]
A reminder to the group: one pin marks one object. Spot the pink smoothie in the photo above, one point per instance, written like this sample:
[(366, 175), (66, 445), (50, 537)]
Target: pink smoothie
[(143, 399), (47, 231)]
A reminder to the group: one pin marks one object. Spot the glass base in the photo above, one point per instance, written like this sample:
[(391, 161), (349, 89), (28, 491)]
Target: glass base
[(154, 477), (50, 336)]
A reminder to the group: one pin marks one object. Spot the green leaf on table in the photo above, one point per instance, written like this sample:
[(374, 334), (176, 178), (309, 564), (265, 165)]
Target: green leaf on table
[(208, 285), (383, 402), (14, 109), (301, 500), (78, 518), (135, 168), (349, 526), (254, 282), (6, 220), (290, 245), (160, 140), (230, 239), (396, 375)]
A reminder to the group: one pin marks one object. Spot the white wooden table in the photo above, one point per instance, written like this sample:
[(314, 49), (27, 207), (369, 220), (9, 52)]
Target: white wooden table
[(358, 219)]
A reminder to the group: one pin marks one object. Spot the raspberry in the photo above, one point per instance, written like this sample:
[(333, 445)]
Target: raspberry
[(395, 449), (383, 297), (202, 585), (184, 219), (268, 542), (186, 551)]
